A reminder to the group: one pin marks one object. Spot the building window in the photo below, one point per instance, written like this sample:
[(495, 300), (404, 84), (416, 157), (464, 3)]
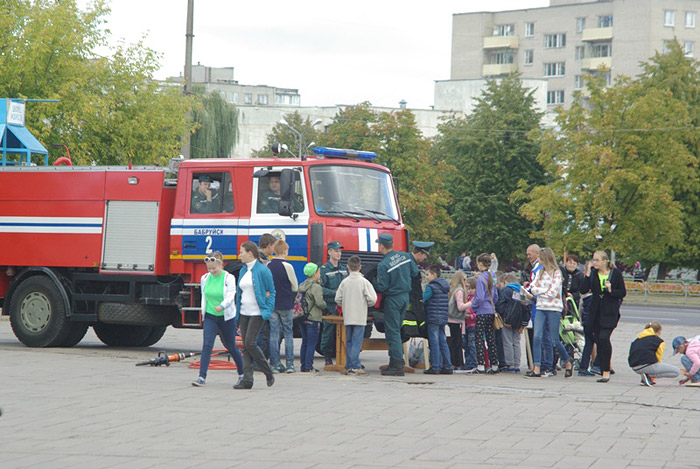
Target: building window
[(529, 56), (580, 52), (578, 82), (499, 58), (580, 24), (248, 98), (669, 18), (296, 100), (555, 97), (504, 30), (554, 69), (602, 50), (607, 77), (689, 19), (262, 99), (529, 29), (688, 48), (553, 41), (234, 97), (667, 46), (605, 21)]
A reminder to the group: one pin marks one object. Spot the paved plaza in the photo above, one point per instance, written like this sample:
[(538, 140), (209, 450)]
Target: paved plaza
[(90, 407)]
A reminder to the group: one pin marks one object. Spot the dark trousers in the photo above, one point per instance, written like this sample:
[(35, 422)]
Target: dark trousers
[(309, 340), (604, 346), (212, 326), (250, 327), (394, 312), (328, 336), (587, 347), (455, 344), (484, 330), (499, 348)]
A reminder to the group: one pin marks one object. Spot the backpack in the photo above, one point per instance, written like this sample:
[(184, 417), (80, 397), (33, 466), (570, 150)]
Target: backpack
[(301, 306), (453, 312)]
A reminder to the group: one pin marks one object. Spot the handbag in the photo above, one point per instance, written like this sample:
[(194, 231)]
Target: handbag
[(497, 320)]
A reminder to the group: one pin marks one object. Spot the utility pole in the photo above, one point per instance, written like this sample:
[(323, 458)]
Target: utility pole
[(188, 69)]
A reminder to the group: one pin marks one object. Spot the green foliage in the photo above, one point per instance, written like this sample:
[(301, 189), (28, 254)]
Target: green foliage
[(217, 127), (680, 76), (110, 109), (400, 147), (282, 134), (493, 155), (616, 165)]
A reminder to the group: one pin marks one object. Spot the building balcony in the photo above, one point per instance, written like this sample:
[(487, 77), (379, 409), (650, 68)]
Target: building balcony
[(597, 34), (596, 63), (498, 69), (501, 42)]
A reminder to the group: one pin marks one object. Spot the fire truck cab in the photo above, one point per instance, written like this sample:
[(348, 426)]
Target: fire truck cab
[(121, 249)]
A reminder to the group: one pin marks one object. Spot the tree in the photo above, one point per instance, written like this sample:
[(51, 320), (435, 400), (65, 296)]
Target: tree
[(615, 163), (400, 147), (110, 109), (680, 76), (217, 126), (493, 154), (281, 134)]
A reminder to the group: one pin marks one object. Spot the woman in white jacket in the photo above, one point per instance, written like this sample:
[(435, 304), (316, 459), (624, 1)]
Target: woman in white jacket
[(547, 288), (218, 289)]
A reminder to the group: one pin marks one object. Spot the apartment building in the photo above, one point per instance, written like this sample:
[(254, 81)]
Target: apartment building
[(570, 38), (221, 79)]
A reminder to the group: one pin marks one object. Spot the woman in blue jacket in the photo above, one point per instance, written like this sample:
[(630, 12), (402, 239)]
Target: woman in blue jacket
[(255, 300)]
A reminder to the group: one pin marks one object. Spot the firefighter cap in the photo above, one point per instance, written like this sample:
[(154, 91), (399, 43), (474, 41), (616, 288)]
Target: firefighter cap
[(335, 245), (385, 239), (423, 246)]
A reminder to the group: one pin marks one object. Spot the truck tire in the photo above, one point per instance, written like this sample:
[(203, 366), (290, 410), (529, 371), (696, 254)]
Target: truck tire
[(135, 314), (155, 335), (120, 335), (78, 331), (38, 313)]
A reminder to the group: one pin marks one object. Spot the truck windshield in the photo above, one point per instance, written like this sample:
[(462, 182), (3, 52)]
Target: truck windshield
[(353, 192)]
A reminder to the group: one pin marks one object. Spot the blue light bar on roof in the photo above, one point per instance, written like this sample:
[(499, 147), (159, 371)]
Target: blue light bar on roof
[(343, 153)]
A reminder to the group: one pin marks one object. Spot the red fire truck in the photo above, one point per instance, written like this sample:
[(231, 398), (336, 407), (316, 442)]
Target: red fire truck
[(121, 248)]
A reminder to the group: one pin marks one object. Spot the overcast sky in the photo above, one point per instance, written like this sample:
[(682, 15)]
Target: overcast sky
[(334, 52)]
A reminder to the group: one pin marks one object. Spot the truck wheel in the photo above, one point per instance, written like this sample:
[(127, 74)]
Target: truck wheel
[(135, 314), (119, 335), (155, 335), (78, 331), (38, 313)]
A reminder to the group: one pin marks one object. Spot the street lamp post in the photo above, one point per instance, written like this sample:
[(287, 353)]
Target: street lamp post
[(298, 135)]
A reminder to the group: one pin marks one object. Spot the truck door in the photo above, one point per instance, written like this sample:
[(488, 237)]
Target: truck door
[(212, 221), (265, 218)]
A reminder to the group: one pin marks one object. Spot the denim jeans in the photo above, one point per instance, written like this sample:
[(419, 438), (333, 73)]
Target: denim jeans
[(439, 351), (688, 364), (283, 318), (547, 360), (213, 325), (309, 339), (550, 319), (469, 341), (354, 337)]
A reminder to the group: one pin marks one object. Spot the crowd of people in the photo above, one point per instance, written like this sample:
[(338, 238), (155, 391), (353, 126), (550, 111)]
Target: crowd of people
[(474, 323)]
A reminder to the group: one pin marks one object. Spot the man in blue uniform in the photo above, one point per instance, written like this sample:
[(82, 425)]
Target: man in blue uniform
[(332, 273), (394, 275)]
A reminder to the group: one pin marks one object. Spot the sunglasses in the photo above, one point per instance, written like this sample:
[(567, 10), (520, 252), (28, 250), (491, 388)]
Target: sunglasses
[(211, 259)]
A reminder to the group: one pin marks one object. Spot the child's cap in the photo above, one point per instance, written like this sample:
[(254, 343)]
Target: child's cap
[(310, 269)]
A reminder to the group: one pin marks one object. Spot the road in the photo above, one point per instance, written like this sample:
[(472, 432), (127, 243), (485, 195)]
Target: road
[(665, 314)]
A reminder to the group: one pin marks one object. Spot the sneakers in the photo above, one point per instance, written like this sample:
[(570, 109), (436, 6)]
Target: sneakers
[(512, 370), (270, 380), (645, 380), (493, 370), (585, 373), (548, 373), (652, 380), (532, 374), (469, 371), (199, 382), (446, 371), (290, 369), (431, 371)]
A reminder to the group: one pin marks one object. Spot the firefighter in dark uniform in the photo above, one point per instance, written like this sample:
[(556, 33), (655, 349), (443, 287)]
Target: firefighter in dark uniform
[(205, 199), (414, 322), (332, 273), (394, 278)]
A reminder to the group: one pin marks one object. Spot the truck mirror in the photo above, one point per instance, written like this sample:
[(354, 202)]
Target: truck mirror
[(286, 192)]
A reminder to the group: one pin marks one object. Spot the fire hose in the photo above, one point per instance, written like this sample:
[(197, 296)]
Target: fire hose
[(164, 359)]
